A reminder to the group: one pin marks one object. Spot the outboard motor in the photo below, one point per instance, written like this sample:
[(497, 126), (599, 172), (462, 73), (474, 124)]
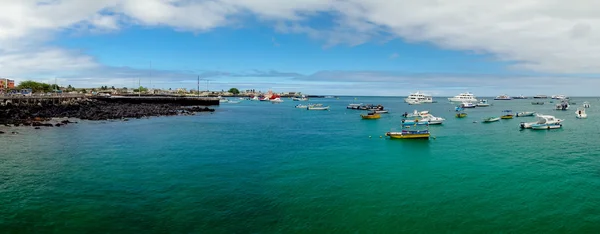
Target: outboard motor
[(522, 124)]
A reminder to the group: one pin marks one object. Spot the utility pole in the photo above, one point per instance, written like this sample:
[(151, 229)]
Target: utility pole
[(198, 86), (140, 87)]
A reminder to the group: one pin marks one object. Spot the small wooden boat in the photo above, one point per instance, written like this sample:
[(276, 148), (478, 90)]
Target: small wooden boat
[(461, 115), (507, 114), (371, 115), (490, 119), (414, 130), (525, 114)]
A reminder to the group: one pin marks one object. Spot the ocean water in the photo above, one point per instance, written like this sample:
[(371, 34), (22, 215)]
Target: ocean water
[(258, 167)]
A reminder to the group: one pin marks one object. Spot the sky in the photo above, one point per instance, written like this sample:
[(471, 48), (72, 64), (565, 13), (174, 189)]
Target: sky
[(327, 47)]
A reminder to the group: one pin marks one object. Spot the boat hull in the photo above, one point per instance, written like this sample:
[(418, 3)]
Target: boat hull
[(546, 126), (403, 135), (491, 120), (375, 116), (318, 108), (525, 114), (506, 117), (461, 115)]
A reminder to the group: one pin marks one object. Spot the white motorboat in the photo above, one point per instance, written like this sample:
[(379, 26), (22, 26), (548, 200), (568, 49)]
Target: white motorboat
[(483, 103), (467, 105), (463, 97), (233, 102), (301, 106), (276, 100), (419, 98), (586, 105), (503, 97), (519, 97), (580, 113), (381, 111), (540, 96), (562, 106), (546, 126), (354, 106), (542, 119), (303, 98), (223, 100), (415, 114), (526, 113), (317, 107), (560, 97), (432, 119)]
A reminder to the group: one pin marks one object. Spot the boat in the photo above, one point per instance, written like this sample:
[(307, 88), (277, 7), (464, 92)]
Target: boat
[(537, 103), (546, 126), (519, 97), (483, 103), (233, 102), (354, 106), (562, 106), (507, 114), (413, 102), (539, 96), (490, 119), (503, 97), (255, 98), (411, 130), (317, 107), (223, 100), (467, 105), (371, 115), (300, 98), (381, 111), (419, 98), (276, 100), (301, 106), (463, 97), (525, 114), (461, 115), (560, 97), (586, 105), (542, 119), (432, 120), (415, 114), (580, 113)]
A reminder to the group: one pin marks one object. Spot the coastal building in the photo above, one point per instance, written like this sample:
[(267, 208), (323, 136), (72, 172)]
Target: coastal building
[(6, 84)]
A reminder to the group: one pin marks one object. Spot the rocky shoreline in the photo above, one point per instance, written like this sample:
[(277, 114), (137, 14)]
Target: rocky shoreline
[(39, 115)]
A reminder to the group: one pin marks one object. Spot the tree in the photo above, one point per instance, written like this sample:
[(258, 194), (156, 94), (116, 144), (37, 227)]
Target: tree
[(112, 87), (84, 91), (34, 86), (234, 91)]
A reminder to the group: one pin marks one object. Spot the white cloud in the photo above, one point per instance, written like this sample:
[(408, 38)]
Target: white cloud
[(548, 36)]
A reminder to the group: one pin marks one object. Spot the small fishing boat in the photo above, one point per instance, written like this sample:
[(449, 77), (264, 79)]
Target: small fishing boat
[(537, 103), (467, 105), (483, 103), (586, 105), (540, 96), (525, 114), (301, 106), (580, 113), (418, 130), (490, 119), (415, 114), (381, 111), (461, 115), (562, 106), (371, 115), (507, 114), (542, 119), (354, 106), (317, 107)]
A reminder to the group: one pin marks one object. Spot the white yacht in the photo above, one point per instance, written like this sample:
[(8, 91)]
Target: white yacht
[(463, 97), (418, 97)]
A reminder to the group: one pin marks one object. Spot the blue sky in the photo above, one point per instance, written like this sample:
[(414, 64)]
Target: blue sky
[(322, 47)]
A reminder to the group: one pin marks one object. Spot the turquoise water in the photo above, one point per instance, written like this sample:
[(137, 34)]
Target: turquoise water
[(257, 167)]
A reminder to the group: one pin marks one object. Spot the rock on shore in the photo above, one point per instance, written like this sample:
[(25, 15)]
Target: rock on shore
[(89, 110)]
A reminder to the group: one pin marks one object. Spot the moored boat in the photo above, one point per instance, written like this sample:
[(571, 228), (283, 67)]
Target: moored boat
[(537, 103), (461, 115), (301, 106), (542, 119), (463, 97), (381, 111), (432, 120), (519, 97), (418, 130), (586, 104), (317, 107), (580, 113), (525, 114), (354, 106), (503, 97), (562, 106), (490, 119), (483, 103), (507, 114), (546, 126), (540, 96), (371, 115), (467, 105), (418, 98)]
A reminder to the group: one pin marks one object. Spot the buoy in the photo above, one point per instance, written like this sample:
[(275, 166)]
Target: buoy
[(380, 137), (369, 136)]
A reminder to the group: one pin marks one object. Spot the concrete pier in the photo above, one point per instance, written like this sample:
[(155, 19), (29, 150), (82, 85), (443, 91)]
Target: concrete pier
[(184, 101)]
